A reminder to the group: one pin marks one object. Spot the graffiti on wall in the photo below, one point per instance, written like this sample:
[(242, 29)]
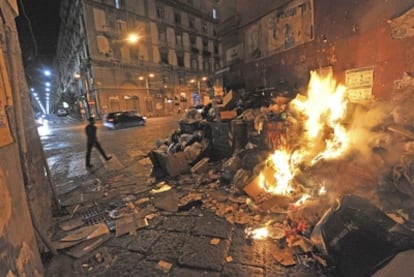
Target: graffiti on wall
[(252, 43), (403, 26), (283, 29)]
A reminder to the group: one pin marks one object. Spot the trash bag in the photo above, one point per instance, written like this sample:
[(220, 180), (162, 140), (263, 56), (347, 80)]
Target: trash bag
[(357, 237)]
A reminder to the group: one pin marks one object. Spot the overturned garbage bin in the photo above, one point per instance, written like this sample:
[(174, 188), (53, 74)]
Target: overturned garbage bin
[(358, 238), (220, 140), (238, 134)]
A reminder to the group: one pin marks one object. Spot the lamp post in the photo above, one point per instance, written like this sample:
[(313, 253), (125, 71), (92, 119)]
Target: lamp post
[(198, 83), (147, 89)]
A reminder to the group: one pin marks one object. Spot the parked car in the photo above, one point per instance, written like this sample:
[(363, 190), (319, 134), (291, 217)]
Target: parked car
[(62, 112), (117, 120)]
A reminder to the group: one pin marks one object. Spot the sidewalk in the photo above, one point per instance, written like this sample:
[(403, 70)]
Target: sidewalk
[(163, 233)]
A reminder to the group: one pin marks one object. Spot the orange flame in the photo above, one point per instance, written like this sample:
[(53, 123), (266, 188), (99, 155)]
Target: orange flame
[(324, 108), (324, 137)]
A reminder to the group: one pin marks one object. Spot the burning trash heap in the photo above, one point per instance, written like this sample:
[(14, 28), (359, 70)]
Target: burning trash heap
[(306, 171)]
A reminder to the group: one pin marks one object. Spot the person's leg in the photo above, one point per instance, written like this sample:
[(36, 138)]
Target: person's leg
[(88, 154), (99, 147)]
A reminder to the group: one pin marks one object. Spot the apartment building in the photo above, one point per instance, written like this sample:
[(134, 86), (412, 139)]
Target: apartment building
[(162, 68)]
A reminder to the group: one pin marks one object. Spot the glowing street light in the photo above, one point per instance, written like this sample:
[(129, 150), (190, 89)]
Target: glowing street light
[(142, 78), (196, 96), (132, 38)]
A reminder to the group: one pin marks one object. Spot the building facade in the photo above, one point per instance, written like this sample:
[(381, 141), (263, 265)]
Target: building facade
[(164, 70), (275, 44)]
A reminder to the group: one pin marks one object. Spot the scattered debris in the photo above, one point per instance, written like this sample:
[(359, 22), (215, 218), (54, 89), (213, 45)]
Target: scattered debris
[(214, 241), (164, 266)]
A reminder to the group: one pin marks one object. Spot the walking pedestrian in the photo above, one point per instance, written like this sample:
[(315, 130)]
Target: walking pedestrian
[(92, 140)]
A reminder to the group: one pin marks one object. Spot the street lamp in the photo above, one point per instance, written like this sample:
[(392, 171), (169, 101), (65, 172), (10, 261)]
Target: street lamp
[(148, 98), (133, 38), (142, 78), (198, 83)]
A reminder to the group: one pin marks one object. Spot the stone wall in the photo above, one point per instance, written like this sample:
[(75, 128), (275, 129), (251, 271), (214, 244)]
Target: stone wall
[(347, 35), (25, 187)]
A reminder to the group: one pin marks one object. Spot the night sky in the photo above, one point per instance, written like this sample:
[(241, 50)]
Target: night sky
[(42, 17)]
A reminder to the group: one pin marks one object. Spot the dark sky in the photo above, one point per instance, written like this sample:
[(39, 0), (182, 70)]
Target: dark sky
[(40, 18)]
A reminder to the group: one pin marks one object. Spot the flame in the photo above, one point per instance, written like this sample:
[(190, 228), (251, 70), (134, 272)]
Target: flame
[(302, 200), (325, 138), (283, 173), (260, 233), (322, 191), (324, 109)]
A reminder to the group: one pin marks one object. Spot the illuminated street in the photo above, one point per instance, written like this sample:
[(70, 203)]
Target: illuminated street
[(195, 240), (222, 138)]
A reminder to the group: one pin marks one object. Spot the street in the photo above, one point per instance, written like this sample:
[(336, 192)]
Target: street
[(64, 144), (190, 242)]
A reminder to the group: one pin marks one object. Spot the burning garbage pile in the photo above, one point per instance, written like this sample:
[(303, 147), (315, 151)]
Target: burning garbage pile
[(301, 170)]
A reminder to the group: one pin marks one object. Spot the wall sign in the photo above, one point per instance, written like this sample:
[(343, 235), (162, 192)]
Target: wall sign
[(359, 83)]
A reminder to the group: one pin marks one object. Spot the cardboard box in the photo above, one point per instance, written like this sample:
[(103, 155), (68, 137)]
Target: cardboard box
[(173, 164), (229, 100), (228, 115), (201, 167), (263, 199)]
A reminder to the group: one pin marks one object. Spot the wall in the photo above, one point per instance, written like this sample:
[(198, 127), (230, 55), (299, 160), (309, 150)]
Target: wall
[(25, 191), (347, 35)]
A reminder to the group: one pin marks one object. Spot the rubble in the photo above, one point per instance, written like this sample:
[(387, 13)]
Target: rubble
[(224, 161)]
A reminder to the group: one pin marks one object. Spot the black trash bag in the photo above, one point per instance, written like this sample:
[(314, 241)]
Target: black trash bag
[(358, 238)]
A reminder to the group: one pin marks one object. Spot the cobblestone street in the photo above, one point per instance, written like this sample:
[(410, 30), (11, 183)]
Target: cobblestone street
[(190, 241)]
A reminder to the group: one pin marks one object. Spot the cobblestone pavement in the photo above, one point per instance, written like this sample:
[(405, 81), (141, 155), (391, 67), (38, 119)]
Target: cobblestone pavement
[(190, 242)]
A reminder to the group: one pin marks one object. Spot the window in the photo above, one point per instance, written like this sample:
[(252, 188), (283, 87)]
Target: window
[(162, 35), (119, 4), (193, 41), (205, 42), (179, 40), (180, 61), (103, 46), (163, 56), (191, 23), (216, 49), (206, 65), (214, 13), (204, 27), (100, 19), (161, 12), (177, 18), (121, 25), (194, 63), (165, 80)]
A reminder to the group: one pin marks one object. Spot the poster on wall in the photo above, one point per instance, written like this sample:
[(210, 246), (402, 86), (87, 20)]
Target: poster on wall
[(290, 26), (234, 53), (359, 83), (402, 26), (5, 100), (253, 45), (285, 28)]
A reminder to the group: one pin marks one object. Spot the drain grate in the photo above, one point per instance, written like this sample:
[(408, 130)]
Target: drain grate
[(96, 215), (91, 213)]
